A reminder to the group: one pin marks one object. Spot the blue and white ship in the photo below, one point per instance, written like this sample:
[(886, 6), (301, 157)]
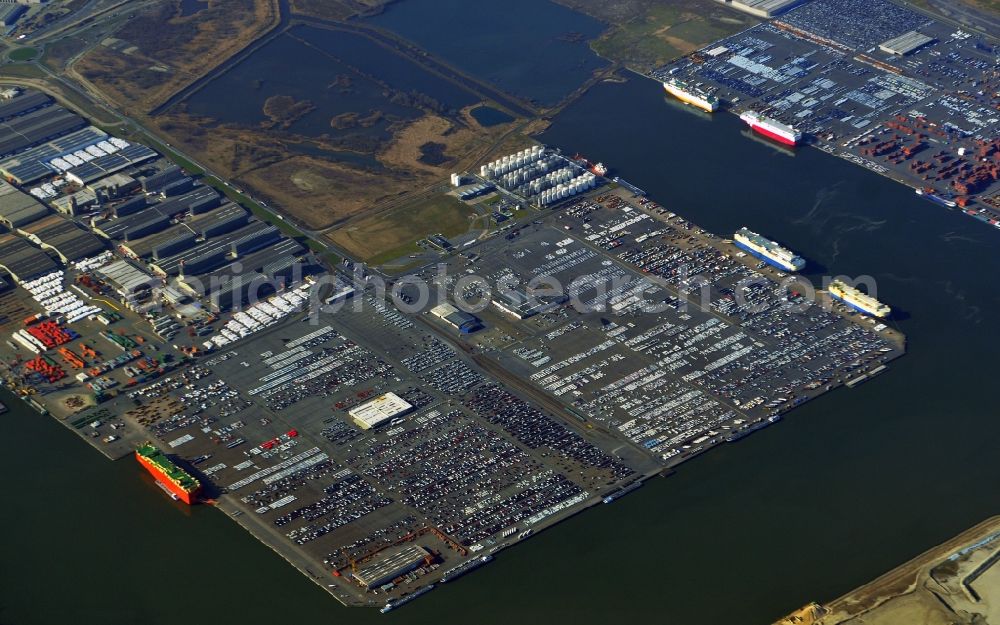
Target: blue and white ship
[(768, 251)]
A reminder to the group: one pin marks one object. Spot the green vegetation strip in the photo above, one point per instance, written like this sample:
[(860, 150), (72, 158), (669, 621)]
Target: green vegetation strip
[(22, 54)]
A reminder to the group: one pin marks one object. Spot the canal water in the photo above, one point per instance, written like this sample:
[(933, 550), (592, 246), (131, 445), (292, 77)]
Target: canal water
[(535, 50), (843, 489), (336, 79)]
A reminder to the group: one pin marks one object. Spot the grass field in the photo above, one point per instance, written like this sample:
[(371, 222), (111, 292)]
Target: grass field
[(648, 33), (21, 71), (22, 54), (381, 238)]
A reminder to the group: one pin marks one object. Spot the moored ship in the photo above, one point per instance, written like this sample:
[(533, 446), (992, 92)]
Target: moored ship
[(466, 567), (937, 199), (772, 128), (858, 300), (691, 95), (392, 604), (768, 251), (174, 480), (598, 169)]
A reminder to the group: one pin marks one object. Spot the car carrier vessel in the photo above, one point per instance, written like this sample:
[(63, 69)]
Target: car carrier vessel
[(768, 251), (858, 300), (771, 128), (174, 480), (691, 95)]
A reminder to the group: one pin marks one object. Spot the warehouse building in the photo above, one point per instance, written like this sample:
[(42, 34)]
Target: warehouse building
[(136, 218), (155, 182), (226, 218), (281, 252), (24, 131), (130, 207), (10, 13), (19, 209), (763, 8), (75, 203), (379, 410), (132, 285), (173, 240), (134, 226), (244, 288), (905, 43), (387, 568), (33, 165), (459, 319), (22, 260), (285, 270), (251, 278), (517, 304), (60, 235), (25, 102), (114, 186), (214, 253), (177, 187), (103, 166)]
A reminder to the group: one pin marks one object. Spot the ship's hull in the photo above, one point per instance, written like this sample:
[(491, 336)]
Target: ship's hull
[(858, 307), (189, 498), (937, 199), (693, 100), (780, 138), (774, 262)]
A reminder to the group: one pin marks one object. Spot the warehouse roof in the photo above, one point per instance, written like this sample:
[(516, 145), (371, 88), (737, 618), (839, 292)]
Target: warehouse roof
[(275, 257), (389, 567), (443, 310), (518, 304), (765, 8), (275, 253), (64, 237), (905, 43), (379, 410), (126, 277), (31, 165), (155, 182), (217, 216), (104, 166), (144, 246), (118, 227), (24, 103), (36, 127), (462, 320), (18, 209), (172, 264), (23, 260)]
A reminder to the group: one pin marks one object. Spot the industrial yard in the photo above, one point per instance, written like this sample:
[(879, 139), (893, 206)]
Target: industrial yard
[(678, 381), (382, 447), (953, 583), (904, 95)]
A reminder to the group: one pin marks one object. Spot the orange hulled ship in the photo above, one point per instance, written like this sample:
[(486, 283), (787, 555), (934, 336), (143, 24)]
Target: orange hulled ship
[(170, 477)]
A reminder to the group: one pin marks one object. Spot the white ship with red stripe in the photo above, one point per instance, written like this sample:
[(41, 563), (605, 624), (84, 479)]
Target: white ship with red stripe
[(771, 128)]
